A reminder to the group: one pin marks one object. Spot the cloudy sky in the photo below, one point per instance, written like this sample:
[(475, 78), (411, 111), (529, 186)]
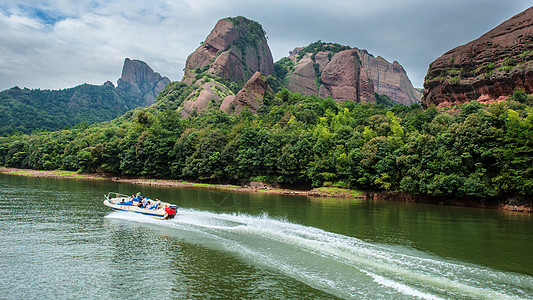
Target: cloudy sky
[(63, 43)]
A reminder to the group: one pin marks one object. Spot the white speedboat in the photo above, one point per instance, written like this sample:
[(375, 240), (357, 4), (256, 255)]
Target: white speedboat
[(141, 205)]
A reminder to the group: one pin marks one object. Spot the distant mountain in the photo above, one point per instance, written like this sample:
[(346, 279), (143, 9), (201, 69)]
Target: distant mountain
[(140, 83), (486, 69), (27, 110)]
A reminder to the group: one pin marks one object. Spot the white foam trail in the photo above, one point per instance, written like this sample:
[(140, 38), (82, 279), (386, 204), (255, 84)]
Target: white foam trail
[(402, 288), (342, 265)]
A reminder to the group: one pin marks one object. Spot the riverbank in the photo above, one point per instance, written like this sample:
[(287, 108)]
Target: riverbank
[(252, 187), (258, 187)]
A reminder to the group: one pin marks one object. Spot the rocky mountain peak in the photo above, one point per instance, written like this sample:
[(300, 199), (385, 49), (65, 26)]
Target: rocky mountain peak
[(235, 49), (344, 79), (138, 80), (229, 70)]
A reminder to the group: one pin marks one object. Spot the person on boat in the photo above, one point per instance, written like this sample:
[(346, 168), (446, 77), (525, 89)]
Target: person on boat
[(140, 203), (145, 201), (156, 204)]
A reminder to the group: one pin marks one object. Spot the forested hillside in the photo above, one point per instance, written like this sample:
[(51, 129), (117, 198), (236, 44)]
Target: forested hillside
[(473, 150), (27, 110)]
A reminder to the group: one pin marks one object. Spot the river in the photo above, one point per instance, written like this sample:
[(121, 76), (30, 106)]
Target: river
[(58, 241)]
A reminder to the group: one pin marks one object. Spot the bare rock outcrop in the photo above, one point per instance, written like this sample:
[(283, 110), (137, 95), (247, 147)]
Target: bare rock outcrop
[(341, 79), (370, 75), (139, 81), (251, 95), (390, 79), (486, 69), (304, 79), (234, 50)]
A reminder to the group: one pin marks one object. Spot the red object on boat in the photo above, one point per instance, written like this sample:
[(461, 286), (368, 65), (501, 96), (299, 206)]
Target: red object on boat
[(170, 211)]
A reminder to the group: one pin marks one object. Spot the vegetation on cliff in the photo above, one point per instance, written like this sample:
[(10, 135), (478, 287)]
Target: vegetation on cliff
[(253, 34), (470, 151), (319, 46)]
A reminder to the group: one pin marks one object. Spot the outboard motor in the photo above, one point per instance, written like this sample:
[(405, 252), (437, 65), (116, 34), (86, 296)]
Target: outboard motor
[(171, 210)]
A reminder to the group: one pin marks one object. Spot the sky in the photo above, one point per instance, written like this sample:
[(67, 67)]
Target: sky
[(64, 43)]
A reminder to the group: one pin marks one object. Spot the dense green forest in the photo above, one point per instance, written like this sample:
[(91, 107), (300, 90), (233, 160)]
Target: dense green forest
[(472, 150), (26, 110)]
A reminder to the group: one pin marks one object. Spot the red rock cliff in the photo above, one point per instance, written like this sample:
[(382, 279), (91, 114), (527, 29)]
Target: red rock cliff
[(487, 68), (251, 95)]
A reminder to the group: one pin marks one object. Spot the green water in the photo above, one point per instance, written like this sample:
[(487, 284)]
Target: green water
[(58, 241)]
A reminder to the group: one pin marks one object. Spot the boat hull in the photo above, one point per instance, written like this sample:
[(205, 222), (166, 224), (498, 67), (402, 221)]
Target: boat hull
[(125, 204), (129, 209)]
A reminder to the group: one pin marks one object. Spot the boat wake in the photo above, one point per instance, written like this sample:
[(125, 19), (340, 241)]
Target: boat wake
[(344, 266)]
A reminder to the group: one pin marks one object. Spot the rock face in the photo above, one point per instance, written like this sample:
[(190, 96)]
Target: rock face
[(390, 79), (344, 79), (349, 75), (234, 50), (486, 69), (251, 95), (139, 81), (326, 74), (304, 79)]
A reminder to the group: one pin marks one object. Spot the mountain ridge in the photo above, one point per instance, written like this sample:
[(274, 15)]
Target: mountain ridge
[(237, 48), (27, 110)]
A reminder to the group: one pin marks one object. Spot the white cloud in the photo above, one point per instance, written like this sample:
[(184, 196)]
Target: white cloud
[(92, 45)]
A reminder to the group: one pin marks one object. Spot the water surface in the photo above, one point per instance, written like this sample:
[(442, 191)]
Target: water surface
[(60, 241)]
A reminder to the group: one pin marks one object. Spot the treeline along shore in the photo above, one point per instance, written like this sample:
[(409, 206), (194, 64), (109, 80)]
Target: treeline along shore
[(480, 153)]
